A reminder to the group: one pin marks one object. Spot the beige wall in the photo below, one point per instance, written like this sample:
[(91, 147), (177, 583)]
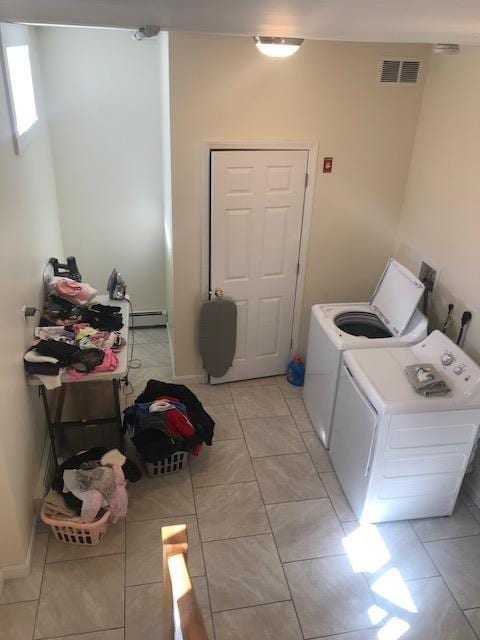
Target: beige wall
[(222, 89), (440, 219), (103, 98), (29, 237)]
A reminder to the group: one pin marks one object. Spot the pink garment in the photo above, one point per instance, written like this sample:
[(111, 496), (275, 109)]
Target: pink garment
[(118, 501), (78, 292), (110, 363)]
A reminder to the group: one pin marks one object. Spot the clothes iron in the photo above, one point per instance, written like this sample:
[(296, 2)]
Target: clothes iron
[(116, 286)]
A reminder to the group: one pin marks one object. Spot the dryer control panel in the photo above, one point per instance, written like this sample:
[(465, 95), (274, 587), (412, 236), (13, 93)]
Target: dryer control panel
[(460, 372)]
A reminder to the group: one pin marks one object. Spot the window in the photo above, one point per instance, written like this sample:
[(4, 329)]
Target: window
[(20, 72), (15, 52)]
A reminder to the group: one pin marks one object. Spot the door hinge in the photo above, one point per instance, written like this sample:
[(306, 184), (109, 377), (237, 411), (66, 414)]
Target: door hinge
[(306, 180), (291, 344), (298, 268)]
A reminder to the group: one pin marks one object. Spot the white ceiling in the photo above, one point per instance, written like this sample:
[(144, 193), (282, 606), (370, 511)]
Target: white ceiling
[(456, 21)]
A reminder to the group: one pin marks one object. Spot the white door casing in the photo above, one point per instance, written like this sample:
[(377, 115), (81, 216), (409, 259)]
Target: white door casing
[(257, 200)]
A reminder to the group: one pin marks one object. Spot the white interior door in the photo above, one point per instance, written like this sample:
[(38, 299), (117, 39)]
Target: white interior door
[(257, 200)]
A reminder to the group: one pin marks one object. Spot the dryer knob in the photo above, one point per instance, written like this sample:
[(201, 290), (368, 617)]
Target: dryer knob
[(459, 369), (447, 358)]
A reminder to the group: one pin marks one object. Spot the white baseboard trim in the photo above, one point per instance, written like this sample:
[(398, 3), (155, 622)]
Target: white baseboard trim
[(190, 379), (22, 570), (157, 318)]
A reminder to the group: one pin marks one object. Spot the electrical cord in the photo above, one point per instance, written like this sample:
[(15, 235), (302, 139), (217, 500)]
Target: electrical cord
[(448, 318), (133, 363), (466, 317)]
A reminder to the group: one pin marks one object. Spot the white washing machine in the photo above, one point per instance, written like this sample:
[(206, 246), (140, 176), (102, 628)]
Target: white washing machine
[(390, 319), (399, 454)]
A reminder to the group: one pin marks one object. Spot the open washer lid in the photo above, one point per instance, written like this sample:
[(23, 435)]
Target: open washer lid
[(396, 297)]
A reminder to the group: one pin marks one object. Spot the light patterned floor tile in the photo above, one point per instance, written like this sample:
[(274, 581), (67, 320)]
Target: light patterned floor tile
[(272, 436), (149, 335), (139, 377), (458, 561), (225, 462), (143, 611), (329, 596), (153, 354), (461, 523), (113, 542), (306, 529), (364, 634), (336, 495), (320, 456), (81, 595), (254, 382), (111, 634), (144, 549), (17, 620), (299, 413), (289, 477), (230, 511), (375, 549), (473, 616), (288, 390), (212, 394), (259, 402), (269, 622), (23, 589), (243, 572), (227, 426), (421, 610), (161, 497)]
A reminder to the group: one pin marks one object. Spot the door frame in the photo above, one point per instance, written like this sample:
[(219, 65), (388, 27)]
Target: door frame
[(254, 145)]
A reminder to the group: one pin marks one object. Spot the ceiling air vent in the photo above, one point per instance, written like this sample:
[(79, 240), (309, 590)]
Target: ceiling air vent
[(399, 71)]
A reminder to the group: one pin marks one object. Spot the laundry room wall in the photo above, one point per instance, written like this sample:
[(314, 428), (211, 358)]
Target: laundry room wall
[(440, 221), (223, 89), (103, 97), (30, 236)]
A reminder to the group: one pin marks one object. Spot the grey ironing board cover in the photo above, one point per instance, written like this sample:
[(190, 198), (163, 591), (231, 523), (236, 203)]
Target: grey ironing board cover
[(218, 335)]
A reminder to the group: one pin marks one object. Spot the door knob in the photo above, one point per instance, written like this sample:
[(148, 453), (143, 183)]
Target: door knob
[(218, 293)]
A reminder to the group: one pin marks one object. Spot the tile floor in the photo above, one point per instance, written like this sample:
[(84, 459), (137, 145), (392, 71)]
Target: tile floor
[(275, 552)]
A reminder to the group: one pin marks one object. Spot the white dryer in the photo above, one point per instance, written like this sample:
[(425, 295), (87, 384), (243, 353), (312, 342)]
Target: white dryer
[(390, 319), (399, 454)]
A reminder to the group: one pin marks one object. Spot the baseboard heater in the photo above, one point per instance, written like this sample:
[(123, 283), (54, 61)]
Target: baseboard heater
[(157, 318)]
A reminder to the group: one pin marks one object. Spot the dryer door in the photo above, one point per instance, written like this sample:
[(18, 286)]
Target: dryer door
[(353, 440)]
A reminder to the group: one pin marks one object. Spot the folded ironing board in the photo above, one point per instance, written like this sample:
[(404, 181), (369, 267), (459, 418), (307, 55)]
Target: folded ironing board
[(218, 335)]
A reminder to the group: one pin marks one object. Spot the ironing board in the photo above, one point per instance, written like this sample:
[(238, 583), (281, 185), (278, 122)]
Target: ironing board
[(114, 377)]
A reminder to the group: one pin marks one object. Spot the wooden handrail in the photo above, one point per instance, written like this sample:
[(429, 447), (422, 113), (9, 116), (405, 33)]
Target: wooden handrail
[(182, 618)]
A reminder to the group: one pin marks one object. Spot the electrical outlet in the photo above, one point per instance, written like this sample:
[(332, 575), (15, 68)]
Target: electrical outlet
[(428, 276)]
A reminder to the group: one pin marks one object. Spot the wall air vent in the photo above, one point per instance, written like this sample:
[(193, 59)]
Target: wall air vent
[(399, 71)]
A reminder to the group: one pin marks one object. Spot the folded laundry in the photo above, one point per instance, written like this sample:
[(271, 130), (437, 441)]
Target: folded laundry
[(62, 351), (100, 478), (34, 356), (106, 308), (102, 320), (77, 292), (92, 500), (105, 492), (55, 507), (109, 362), (42, 368), (201, 421)]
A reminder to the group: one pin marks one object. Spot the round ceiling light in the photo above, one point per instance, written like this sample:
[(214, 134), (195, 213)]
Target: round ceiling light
[(277, 47)]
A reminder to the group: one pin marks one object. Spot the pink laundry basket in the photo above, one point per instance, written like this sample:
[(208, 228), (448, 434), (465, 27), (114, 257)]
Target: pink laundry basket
[(86, 533)]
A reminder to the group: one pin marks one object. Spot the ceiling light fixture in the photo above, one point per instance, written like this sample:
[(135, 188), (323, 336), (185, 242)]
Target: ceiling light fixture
[(277, 47), (448, 49)]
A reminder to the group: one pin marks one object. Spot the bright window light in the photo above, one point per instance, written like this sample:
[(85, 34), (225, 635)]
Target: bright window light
[(393, 630), (366, 549), (20, 72), (392, 587)]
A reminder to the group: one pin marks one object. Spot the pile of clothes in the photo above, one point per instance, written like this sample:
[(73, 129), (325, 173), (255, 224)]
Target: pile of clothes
[(167, 418), (88, 484), (72, 334)]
